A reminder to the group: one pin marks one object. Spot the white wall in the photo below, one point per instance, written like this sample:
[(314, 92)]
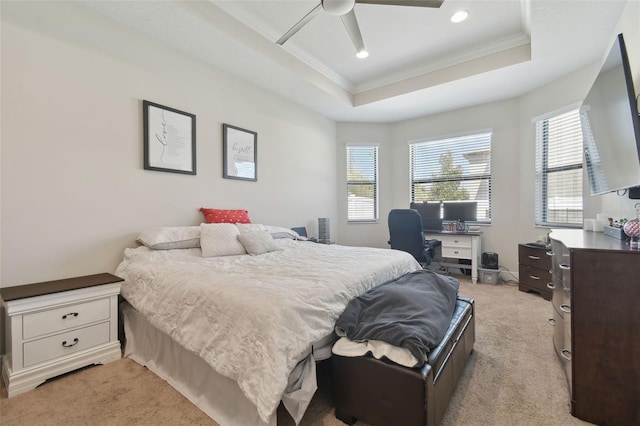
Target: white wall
[(366, 234), (571, 90), (502, 117), (513, 154), (74, 192), (629, 25)]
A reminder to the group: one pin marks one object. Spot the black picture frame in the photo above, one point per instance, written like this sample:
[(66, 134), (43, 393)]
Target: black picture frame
[(239, 153), (169, 139)]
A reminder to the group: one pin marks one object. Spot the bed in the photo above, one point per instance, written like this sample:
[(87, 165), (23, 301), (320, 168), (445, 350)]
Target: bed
[(238, 333)]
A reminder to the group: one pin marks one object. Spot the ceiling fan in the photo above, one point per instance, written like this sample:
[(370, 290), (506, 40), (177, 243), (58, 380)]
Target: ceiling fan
[(344, 9)]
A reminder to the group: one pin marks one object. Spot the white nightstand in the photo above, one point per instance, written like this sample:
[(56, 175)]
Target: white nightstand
[(58, 326)]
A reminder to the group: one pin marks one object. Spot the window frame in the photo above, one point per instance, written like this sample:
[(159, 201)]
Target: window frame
[(375, 182), (479, 134), (543, 171)]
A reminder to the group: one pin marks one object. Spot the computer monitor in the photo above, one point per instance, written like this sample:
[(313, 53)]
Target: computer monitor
[(427, 209), (430, 214), (464, 211)]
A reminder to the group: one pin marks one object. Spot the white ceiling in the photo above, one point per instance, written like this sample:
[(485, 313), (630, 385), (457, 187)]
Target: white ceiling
[(420, 63)]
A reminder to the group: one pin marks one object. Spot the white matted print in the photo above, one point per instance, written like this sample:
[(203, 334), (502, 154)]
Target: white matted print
[(239, 153), (169, 139)]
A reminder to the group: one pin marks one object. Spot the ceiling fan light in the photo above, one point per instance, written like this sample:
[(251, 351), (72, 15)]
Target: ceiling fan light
[(459, 16), (338, 7), (361, 54)]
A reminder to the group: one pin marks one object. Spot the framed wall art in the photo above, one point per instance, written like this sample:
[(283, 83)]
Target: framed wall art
[(169, 139), (239, 153)]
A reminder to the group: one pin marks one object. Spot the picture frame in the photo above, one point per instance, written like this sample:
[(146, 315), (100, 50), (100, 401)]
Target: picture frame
[(169, 139), (239, 153)]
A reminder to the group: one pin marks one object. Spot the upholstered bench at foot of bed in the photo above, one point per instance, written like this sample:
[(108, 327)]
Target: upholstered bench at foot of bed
[(380, 392)]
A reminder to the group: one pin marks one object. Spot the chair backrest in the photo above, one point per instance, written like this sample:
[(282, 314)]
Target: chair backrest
[(406, 234)]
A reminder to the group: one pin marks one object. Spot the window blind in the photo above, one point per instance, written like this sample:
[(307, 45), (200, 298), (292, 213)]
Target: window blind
[(453, 169), (558, 190), (362, 183)]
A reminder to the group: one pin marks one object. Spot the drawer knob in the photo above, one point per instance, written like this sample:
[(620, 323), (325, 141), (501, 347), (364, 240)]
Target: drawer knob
[(68, 345), (552, 321), (566, 354), (550, 286), (534, 257), (69, 315), (565, 308), (534, 277), (564, 266), (549, 253)]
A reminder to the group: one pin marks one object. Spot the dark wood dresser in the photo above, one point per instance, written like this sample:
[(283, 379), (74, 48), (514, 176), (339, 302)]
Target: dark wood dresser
[(596, 309), (534, 270)]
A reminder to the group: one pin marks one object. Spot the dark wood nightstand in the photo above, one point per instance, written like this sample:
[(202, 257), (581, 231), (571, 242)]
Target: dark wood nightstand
[(534, 270)]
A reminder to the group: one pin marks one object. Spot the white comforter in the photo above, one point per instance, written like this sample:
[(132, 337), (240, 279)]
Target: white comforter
[(253, 318)]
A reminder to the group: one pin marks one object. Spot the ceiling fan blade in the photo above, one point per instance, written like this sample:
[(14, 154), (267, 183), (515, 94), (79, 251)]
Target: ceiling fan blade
[(299, 25), (417, 3), (351, 24)]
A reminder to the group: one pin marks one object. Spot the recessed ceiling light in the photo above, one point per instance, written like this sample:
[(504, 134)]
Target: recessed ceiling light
[(459, 16), (362, 54)]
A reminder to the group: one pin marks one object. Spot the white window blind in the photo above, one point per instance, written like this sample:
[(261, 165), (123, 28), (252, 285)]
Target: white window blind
[(559, 170), (453, 169), (362, 183)]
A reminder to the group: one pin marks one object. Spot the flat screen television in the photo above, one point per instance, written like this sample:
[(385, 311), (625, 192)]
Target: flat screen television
[(611, 127), (464, 211)]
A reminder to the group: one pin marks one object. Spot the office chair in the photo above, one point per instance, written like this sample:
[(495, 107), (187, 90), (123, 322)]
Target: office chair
[(406, 234)]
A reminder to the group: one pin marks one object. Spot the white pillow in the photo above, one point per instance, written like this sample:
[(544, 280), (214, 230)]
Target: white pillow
[(220, 239), (244, 227), (171, 237), (257, 242)]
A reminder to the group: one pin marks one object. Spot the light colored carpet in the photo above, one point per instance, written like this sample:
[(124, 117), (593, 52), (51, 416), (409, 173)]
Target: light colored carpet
[(512, 378)]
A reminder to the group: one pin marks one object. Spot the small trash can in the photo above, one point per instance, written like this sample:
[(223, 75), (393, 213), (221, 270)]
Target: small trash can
[(488, 276)]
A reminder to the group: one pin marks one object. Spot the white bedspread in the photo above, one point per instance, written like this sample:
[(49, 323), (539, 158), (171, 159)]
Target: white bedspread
[(253, 318)]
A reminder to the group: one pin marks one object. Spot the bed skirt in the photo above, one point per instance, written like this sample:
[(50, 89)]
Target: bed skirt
[(217, 396)]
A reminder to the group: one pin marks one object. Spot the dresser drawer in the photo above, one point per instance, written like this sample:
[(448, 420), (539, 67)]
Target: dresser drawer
[(65, 318), (456, 252), (558, 332), (534, 256), (455, 241), (62, 344), (561, 298), (535, 277)]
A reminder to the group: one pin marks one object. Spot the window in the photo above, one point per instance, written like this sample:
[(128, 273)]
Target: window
[(453, 169), (559, 170), (362, 183)]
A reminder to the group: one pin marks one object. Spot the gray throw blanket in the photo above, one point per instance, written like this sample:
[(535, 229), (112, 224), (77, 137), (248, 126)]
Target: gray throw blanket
[(413, 311)]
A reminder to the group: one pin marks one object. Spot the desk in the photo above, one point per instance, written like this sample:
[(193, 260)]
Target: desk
[(458, 245)]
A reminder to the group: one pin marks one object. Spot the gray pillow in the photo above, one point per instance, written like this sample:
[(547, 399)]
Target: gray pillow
[(257, 242), (171, 237)]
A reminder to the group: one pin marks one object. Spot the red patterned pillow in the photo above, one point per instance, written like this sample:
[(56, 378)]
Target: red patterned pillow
[(225, 216)]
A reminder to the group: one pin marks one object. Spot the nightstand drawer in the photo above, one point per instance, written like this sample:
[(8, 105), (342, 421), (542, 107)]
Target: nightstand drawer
[(63, 344), (455, 241), (534, 256), (534, 277), (65, 318), (456, 252)]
